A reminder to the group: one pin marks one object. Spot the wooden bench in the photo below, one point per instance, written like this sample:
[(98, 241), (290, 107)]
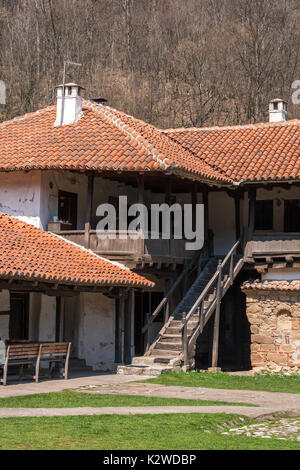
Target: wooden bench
[(54, 353), (33, 354)]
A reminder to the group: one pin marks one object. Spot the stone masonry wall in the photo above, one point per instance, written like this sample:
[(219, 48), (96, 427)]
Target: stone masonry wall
[(274, 319)]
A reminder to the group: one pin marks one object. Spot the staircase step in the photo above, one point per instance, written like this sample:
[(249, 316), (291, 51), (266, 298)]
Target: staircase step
[(169, 346), (171, 338), (164, 353)]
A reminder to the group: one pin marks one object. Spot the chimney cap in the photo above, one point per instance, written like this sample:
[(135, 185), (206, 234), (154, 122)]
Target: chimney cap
[(70, 84), (278, 100)]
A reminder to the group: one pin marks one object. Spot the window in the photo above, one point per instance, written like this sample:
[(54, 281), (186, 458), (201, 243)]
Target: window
[(292, 215), (263, 215)]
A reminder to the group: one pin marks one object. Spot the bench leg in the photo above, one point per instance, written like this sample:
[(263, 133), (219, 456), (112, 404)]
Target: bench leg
[(67, 362), (21, 371), (37, 370), (51, 363)]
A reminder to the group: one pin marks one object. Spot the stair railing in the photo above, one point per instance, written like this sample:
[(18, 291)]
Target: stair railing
[(220, 281), (193, 263)]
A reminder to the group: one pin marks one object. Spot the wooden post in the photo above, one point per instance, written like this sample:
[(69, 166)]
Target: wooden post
[(167, 311), (184, 339), (168, 194), (252, 199), (237, 206), (147, 335), (89, 200), (194, 203), (87, 228), (215, 350), (206, 220), (57, 318)]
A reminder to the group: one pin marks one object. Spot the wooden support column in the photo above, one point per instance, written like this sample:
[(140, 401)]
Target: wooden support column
[(194, 203), (237, 208), (141, 188), (237, 205), (127, 329), (252, 200), (168, 194), (206, 219), (89, 200), (58, 319), (215, 349)]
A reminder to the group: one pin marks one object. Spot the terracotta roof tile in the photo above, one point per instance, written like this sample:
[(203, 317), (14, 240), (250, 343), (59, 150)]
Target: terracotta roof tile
[(257, 152), (30, 253), (103, 139)]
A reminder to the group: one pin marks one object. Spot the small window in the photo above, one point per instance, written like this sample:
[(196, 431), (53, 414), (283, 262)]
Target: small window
[(263, 215)]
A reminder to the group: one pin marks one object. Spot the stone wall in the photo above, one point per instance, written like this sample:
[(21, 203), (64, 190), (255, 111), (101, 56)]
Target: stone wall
[(274, 319)]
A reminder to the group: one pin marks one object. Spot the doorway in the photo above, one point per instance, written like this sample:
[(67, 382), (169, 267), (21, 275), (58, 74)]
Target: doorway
[(67, 208), (19, 316)]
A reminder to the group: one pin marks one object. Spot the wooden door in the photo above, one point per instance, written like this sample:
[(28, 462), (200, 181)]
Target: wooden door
[(19, 316)]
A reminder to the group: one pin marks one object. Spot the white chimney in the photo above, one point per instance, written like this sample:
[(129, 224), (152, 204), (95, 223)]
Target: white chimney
[(69, 106), (277, 110)]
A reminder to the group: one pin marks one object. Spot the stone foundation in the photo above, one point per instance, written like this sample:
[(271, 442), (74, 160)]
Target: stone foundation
[(274, 318)]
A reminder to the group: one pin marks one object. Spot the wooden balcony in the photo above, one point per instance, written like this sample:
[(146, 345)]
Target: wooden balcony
[(124, 248), (277, 250)]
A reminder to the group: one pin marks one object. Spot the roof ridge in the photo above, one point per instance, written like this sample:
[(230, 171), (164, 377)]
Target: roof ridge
[(103, 108), (140, 139), (236, 126), (26, 116)]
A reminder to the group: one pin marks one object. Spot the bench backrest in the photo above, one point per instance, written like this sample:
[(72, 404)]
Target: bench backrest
[(55, 350), (20, 352)]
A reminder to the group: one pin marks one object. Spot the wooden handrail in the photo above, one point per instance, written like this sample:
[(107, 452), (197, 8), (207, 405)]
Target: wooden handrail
[(169, 293), (211, 282)]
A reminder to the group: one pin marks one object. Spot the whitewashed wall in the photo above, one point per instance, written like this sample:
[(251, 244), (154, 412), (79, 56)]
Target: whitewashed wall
[(222, 221), (47, 318), (20, 195), (96, 339)]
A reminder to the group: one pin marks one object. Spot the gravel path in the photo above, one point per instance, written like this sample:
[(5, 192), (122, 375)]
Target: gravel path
[(131, 410)]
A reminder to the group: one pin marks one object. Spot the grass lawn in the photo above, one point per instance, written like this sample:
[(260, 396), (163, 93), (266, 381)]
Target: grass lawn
[(71, 399), (147, 432), (265, 382)]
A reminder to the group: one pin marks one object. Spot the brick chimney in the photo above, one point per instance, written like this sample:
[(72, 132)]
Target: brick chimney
[(277, 110), (69, 104)]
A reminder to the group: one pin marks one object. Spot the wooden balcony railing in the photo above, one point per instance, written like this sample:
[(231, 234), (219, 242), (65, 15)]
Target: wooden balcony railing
[(123, 245)]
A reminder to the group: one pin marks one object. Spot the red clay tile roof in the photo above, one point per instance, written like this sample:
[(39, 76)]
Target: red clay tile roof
[(290, 286), (104, 139), (30, 253), (257, 152)]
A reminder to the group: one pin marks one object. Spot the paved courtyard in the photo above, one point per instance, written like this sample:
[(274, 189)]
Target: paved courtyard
[(269, 403)]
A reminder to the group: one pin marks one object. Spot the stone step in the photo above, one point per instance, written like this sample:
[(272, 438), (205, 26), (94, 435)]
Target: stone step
[(142, 360), (143, 370)]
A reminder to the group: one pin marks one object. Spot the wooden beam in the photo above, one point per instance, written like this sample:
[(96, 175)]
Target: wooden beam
[(89, 200), (252, 200)]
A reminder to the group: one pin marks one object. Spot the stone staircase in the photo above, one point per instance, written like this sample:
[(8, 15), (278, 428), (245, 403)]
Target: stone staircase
[(166, 351)]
